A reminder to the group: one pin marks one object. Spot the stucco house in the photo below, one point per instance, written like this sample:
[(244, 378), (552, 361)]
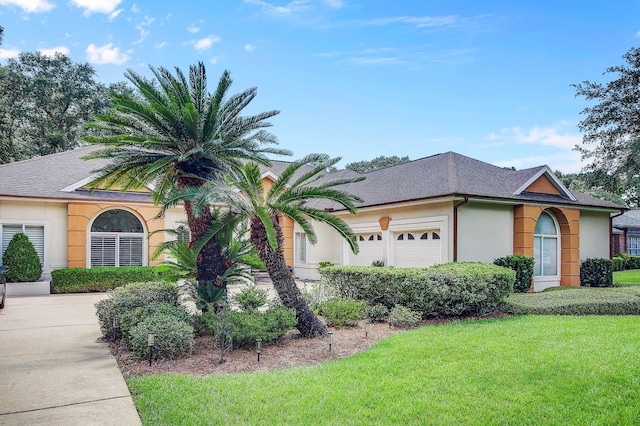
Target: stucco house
[(437, 209), (449, 207)]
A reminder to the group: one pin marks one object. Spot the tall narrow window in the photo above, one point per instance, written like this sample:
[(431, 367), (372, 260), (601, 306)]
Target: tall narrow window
[(545, 246), (117, 239), (301, 248)]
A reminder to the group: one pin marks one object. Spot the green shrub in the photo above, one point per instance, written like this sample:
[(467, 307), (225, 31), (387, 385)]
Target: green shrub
[(130, 319), (596, 273), (343, 312), (377, 312), (123, 300), (21, 260), (173, 337), (401, 316), (378, 263), (251, 298), (324, 264), (84, 280), (453, 289), (618, 263), (629, 262), (524, 270), (577, 301), (249, 326)]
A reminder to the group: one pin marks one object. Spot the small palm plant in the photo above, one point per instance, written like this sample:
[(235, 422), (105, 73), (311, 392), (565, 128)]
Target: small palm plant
[(239, 257), (290, 195)]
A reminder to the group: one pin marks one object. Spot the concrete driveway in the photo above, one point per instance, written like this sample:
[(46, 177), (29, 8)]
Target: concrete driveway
[(54, 369)]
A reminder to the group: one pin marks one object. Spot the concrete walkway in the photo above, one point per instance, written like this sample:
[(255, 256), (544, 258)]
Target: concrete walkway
[(54, 369)]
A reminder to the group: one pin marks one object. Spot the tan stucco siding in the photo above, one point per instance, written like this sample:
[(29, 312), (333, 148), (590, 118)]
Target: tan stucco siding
[(485, 232), (80, 215), (53, 216), (594, 235)]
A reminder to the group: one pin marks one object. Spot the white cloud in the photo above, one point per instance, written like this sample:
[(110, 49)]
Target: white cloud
[(637, 34), (214, 60), (115, 14), (143, 28), (8, 53), (30, 6), (249, 47), (51, 51), (290, 8), (97, 6), (193, 29), (555, 146), (106, 54), (205, 43), (161, 45), (418, 21), (556, 135), (135, 8)]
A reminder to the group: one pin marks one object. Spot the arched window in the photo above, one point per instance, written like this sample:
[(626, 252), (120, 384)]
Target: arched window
[(117, 239), (424, 236), (545, 246)]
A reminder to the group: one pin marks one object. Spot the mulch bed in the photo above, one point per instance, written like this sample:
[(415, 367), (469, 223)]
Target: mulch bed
[(289, 351)]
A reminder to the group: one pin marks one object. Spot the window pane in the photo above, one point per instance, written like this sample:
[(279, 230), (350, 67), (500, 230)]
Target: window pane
[(550, 256), (130, 251), (301, 248), (117, 221), (103, 251), (545, 225), (537, 243)]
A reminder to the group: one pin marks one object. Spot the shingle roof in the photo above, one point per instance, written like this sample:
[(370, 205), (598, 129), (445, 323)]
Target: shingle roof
[(46, 176), (447, 174), (630, 219), (452, 174)]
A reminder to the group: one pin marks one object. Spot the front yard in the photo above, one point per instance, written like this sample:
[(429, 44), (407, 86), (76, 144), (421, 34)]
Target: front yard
[(517, 370)]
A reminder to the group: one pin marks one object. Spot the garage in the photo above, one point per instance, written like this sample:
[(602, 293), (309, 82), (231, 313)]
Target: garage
[(420, 248), (370, 249)]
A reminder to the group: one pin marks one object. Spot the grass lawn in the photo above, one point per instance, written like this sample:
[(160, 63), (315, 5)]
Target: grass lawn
[(518, 370), (632, 276)]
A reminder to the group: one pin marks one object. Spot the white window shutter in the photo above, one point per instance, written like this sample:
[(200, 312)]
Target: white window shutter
[(103, 250), (130, 250)]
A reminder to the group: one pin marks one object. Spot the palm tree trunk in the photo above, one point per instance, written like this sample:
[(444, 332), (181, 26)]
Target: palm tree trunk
[(308, 323), (210, 263)]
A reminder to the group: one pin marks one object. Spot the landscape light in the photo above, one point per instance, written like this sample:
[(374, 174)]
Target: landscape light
[(151, 341), (330, 340), (258, 347), (367, 327)]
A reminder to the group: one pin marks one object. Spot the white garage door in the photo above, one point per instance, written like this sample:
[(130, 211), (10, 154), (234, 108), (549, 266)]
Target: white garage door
[(416, 248), (370, 249)]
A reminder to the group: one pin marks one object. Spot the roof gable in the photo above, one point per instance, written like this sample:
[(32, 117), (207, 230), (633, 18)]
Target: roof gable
[(544, 181)]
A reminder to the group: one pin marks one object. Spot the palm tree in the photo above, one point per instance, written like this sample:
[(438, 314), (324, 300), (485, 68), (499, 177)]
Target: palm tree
[(174, 134), (301, 182)]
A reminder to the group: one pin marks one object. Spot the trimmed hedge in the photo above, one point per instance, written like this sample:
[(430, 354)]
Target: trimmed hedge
[(524, 270), (452, 289), (628, 262), (596, 273), (577, 301), (85, 280)]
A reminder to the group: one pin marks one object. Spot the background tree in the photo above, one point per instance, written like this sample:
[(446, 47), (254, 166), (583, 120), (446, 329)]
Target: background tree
[(595, 183), (612, 126), (45, 103), (177, 135), (294, 194), (377, 163)]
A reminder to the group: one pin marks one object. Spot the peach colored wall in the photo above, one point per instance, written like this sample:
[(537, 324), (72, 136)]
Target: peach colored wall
[(80, 214), (524, 224), (542, 185)]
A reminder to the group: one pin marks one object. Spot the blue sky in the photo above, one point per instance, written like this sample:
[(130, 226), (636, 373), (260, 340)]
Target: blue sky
[(362, 78)]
